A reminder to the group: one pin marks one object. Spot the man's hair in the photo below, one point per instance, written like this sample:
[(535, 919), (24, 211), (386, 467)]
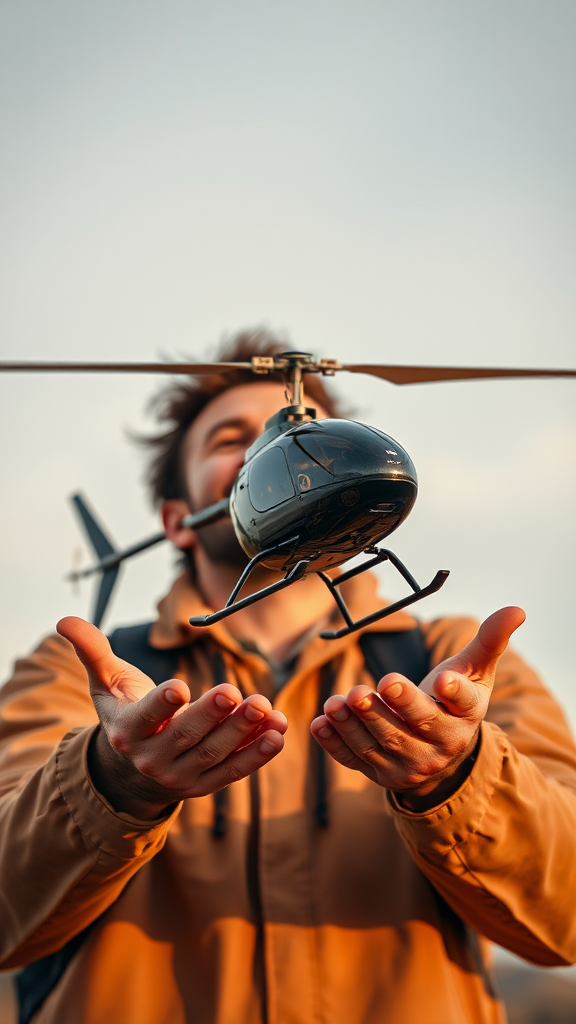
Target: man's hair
[(178, 405)]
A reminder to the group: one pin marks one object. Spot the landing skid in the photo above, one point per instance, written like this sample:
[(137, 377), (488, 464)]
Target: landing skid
[(306, 565)]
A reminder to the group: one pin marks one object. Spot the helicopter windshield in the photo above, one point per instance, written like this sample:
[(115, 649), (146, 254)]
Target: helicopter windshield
[(270, 482), (319, 459), (330, 450), (312, 464)]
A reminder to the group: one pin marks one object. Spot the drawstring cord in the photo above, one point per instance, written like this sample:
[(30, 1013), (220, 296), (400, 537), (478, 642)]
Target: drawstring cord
[(219, 823), (327, 676), (221, 796), (326, 683)]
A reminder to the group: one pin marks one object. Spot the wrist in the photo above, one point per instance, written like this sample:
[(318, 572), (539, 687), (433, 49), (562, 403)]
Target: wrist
[(120, 783)]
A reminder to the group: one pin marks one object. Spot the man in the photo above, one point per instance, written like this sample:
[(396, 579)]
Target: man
[(359, 887)]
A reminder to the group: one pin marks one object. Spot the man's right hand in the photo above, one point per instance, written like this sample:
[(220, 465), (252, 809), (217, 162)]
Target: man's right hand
[(153, 747)]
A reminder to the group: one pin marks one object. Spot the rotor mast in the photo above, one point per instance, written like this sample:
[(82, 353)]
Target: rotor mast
[(293, 366)]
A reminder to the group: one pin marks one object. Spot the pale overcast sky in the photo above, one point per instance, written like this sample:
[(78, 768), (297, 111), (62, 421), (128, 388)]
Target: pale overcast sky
[(382, 181)]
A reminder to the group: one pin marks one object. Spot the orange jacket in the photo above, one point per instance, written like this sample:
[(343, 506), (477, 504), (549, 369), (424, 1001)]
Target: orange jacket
[(381, 918)]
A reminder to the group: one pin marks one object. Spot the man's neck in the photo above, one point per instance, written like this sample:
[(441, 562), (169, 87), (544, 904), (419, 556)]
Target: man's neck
[(276, 623)]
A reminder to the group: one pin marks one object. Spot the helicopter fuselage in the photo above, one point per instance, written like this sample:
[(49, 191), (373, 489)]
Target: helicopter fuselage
[(324, 489)]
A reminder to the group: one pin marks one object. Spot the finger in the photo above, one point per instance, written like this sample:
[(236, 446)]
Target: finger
[(460, 696), (397, 712), (276, 722), (107, 673), (361, 740), (232, 735), (239, 764), (188, 729), (456, 697), (149, 715), (326, 735), (207, 716), (479, 658)]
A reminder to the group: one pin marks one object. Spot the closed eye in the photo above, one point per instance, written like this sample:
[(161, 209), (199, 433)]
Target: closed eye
[(229, 437)]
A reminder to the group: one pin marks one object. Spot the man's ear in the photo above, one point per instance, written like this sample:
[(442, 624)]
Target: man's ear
[(173, 512)]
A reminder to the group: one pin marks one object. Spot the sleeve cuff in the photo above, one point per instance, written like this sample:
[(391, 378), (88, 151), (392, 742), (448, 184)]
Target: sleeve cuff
[(452, 822), (114, 833)]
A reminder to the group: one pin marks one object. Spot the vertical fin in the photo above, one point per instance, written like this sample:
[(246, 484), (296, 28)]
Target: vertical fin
[(103, 547), (104, 594), (100, 542)]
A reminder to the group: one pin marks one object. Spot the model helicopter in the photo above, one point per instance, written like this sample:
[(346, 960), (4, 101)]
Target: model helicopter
[(311, 494)]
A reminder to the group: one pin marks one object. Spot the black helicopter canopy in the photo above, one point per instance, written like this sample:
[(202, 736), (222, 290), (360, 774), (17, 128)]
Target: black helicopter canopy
[(333, 486)]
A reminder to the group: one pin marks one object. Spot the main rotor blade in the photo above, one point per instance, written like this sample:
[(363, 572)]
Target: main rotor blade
[(426, 374), (187, 368), (394, 374)]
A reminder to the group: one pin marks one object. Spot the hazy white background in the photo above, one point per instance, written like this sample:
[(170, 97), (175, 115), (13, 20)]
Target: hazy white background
[(383, 181)]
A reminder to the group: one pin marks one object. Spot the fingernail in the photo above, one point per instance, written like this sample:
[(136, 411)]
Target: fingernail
[(450, 688), (325, 732), (224, 702), (394, 690), (342, 714), (363, 704), (172, 697), (266, 747), (253, 714)]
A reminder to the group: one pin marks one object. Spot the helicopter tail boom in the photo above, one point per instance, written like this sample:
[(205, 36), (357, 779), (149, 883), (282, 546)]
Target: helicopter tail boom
[(110, 558)]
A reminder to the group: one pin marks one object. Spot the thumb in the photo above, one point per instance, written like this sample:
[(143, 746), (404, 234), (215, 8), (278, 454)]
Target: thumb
[(107, 673), (481, 655), (478, 660)]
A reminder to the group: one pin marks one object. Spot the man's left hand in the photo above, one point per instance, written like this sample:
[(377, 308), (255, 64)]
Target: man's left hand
[(400, 737)]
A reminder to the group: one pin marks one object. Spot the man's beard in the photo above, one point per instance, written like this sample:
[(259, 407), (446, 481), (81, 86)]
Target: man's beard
[(221, 545)]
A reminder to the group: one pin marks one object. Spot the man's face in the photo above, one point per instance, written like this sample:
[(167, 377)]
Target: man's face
[(213, 453)]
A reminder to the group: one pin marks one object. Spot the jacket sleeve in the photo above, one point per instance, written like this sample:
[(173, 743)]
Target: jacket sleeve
[(502, 849), (65, 854)]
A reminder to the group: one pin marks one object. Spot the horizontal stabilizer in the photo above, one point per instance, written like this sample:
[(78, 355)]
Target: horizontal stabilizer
[(100, 542)]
